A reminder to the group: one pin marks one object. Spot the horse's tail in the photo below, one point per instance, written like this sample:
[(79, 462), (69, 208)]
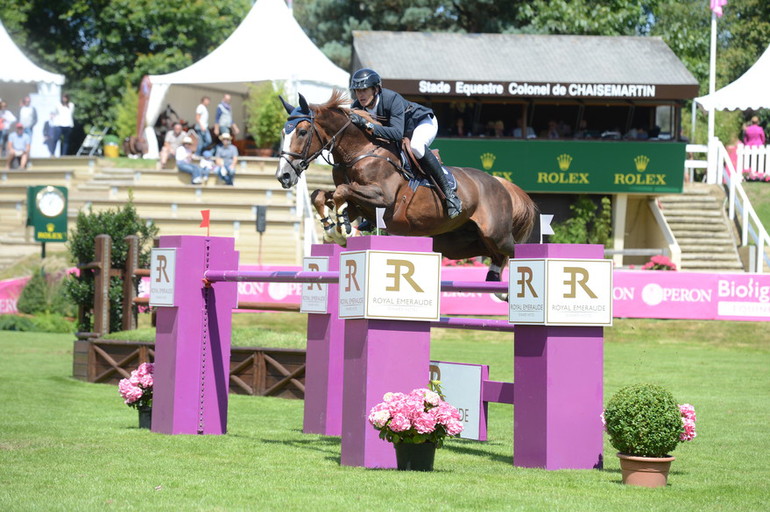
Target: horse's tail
[(524, 211)]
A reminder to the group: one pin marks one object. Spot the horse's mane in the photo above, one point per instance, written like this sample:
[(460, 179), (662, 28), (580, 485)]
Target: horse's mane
[(338, 100)]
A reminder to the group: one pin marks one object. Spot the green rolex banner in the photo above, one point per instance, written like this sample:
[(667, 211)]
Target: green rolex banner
[(47, 212), (598, 167)]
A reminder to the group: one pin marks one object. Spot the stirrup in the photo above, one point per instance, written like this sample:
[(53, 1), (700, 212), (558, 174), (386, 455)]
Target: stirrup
[(454, 206)]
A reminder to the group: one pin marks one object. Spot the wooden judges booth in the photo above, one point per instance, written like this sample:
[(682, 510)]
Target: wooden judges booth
[(557, 115)]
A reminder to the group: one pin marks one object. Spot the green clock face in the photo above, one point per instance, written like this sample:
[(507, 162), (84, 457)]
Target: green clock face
[(50, 201)]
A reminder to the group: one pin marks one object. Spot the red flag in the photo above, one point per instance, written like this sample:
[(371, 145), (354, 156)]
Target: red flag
[(205, 222)]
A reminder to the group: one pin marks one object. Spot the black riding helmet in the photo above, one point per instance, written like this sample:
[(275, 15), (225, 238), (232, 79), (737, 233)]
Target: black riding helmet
[(365, 78)]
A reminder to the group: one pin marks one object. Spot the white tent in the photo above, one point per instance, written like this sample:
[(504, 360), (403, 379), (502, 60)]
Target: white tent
[(750, 91), (269, 44), (20, 77)]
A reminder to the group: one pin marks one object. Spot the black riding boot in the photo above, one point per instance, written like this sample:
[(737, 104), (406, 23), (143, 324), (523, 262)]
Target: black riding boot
[(430, 164)]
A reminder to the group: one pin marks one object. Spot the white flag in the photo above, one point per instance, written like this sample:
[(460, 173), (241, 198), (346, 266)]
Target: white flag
[(379, 212), (545, 225)]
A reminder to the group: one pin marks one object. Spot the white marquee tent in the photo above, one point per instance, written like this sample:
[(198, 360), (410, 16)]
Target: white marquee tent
[(20, 77), (750, 91), (269, 44)]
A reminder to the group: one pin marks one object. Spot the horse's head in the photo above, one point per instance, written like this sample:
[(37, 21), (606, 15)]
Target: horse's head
[(297, 143)]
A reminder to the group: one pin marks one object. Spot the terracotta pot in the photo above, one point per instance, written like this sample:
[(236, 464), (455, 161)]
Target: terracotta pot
[(645, 471)]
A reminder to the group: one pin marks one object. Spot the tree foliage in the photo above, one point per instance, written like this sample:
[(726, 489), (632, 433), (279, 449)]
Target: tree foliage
[(99, 45), (586, 226)]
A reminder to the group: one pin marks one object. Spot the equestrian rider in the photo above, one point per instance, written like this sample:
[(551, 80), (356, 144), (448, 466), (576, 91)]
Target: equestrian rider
[(401, 118)]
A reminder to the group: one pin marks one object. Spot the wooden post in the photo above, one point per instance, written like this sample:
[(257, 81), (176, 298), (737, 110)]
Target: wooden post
[(103, 251), (129, 290)]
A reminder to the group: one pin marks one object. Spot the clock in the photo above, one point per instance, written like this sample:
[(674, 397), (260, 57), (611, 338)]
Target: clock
[(50, 201)]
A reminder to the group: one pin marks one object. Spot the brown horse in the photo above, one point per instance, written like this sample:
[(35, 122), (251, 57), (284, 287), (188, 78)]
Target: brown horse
[(368, 174)]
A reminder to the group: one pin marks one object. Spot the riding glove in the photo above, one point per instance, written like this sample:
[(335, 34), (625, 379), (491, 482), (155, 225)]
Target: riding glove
[(360, 122)]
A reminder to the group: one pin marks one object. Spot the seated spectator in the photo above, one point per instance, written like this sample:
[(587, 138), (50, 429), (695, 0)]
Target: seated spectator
[(226, 157), (458, 130), (184, 161), (528, 133), (553, 130), (499, 128), (172, 141), (18, 147)]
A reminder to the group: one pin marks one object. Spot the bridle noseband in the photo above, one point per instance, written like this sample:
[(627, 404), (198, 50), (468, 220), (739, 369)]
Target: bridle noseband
[(303, 159)]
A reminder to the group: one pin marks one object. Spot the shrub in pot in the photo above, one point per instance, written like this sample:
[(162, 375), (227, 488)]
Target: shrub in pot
[(645, 424)]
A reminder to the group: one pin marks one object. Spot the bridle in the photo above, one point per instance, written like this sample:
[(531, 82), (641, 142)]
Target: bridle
[(303, 159)]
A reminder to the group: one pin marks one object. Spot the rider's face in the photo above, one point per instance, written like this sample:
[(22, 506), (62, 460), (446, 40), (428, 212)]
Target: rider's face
[(365, 96)]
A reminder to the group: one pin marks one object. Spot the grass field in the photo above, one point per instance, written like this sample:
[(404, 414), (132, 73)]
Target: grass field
[(70, 445)]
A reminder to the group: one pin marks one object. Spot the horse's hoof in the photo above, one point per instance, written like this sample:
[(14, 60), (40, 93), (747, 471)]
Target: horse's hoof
[(493, 276), (502, 296)]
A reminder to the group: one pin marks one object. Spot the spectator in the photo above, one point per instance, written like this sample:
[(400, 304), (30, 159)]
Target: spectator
[(184, 161), (202, 125), (753, 134), (27, 115), (18, 147), (226, 157), (174, 138), (49, 132), (458, 130), (6, 122), (223, 121), (553, 130), (63, 124), (499, 128)]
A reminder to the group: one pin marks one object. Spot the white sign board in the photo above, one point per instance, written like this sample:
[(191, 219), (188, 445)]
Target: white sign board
[(315, 295), (392, 285), (461, 386), (571, 292), (526, 291), (162, 277)]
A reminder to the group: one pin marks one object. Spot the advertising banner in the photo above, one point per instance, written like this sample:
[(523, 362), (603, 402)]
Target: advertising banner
[(584, 167)]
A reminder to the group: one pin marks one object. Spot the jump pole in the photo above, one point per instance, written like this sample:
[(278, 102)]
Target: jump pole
[(324, 358), (192, 340), (558, 383), (380, 356)]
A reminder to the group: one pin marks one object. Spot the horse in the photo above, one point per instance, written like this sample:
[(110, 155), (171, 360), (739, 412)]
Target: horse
[(368, 174)]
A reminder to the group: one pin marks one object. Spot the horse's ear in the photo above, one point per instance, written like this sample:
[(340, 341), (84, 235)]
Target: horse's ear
[(303, 105), (286, 105)]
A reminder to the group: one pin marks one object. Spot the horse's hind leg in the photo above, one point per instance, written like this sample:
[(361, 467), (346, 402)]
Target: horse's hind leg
[(324, 204)]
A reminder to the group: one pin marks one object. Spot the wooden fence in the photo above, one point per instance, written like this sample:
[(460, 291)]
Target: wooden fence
[(253, 370)]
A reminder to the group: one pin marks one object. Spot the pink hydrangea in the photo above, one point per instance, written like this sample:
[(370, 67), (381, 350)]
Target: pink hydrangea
[(379, 418), (399, 423), (424, 423), (129, 391), (453, 427), (688, 421)]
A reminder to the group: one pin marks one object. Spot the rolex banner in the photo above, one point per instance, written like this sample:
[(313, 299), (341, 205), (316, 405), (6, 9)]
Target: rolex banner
[(598, 167)]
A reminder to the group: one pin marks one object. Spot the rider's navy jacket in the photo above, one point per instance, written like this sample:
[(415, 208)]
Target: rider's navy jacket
[(399, 117)]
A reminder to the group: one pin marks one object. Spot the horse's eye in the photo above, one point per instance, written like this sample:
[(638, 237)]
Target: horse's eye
[(302, 132)]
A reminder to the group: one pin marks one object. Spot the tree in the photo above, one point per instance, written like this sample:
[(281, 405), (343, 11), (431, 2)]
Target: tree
[(99, 45)]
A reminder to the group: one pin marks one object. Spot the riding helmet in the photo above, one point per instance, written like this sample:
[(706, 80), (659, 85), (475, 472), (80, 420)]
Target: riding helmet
[(365, 78)]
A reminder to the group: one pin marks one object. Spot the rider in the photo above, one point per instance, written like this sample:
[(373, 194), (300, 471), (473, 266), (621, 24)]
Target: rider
[(401, 118)]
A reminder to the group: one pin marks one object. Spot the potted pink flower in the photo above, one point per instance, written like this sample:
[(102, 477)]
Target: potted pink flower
[(416, 423), (659, 262), (137, 392)]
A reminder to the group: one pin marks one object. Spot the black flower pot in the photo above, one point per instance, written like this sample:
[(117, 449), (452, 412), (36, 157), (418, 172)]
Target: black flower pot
[(145, 417), (415, 457)]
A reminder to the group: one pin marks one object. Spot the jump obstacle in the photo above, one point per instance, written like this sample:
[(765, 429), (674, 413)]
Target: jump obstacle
[(557, 394)]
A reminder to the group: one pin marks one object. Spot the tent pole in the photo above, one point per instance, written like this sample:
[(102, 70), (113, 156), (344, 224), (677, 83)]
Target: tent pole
[(712, 156)]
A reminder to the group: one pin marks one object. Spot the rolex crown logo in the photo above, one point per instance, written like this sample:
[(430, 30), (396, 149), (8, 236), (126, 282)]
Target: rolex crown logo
[(564, 161), (50, 227), (641, 162), (487, 161)]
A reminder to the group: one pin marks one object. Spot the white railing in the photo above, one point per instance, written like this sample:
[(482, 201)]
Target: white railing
[(738, 202), (305, 212), (692, 163), (754, 161)]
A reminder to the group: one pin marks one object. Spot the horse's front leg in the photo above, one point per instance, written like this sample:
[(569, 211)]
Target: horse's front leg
[(346, 196), (324, 204)]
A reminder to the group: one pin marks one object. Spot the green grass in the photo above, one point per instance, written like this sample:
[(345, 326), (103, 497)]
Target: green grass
[(759, 195), (70, 445)]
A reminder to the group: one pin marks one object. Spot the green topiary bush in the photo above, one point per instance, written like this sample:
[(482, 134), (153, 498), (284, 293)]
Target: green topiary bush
[(644, 420), (44, 293), (118, 223)]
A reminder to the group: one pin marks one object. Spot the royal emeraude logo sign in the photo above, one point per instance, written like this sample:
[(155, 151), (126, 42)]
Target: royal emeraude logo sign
[(573, 166)]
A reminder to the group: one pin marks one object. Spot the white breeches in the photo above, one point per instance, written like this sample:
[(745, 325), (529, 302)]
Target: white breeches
[(423, 136)]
